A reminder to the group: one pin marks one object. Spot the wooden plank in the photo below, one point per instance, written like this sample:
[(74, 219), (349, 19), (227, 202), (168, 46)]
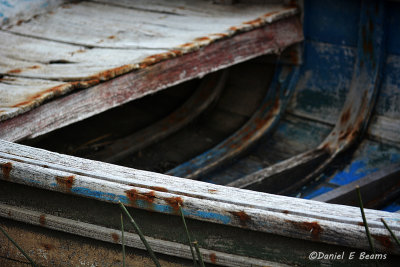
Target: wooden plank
[(15, 12), (99, 98), (111, 235), (108, 25), (98, 41), (48, 60), (334, 224)]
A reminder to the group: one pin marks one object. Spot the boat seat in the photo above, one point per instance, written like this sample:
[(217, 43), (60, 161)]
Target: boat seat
[(104, 54)]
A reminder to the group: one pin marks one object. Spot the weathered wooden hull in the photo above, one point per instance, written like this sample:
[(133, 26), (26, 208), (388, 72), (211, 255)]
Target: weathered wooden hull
[(311, 125)]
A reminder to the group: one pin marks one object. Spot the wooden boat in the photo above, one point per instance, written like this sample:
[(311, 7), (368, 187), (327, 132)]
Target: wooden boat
[(265, 145)]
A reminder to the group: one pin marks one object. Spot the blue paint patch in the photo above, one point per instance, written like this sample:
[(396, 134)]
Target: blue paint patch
[(145, 205), (319, 191), (394, 207), (393, 27), (45, 4), (95, 194), (32, 181), (389, 97), (355, 171), (208, 215), (5, 3), (332, 21), (325, 79)]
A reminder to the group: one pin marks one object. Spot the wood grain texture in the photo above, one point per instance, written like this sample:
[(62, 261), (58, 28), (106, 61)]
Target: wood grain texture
[(111, 235), (92, 41), (327, 223), (16, 12), (109, 94)]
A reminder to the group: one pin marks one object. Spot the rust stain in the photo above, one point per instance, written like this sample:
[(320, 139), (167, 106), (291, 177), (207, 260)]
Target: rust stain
[(285, 211), (115, 237), (186, 45), (361, 224), (383, 240), (111, 73), (84, 84), (47, 246), (202, 39), (213, 258), (6, 169), (266, 15), (174, 202), (42, 220), (34, 67), (111, 37), (312, 227), (255, 22), (345, 116), (222, 35), (294, 57), (367, 43), (14, 71), (176, 52), (150, 196), (66, 182), (159, 188), (153, 59), (243, 217), (212, 191), (57, 89), (134, 195)]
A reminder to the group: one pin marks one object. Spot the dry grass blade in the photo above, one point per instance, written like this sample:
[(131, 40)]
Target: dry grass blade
[(188, 235), (365, 220), (123, 241), (391, 232), (18, 247), (196, 245), (139, 232)]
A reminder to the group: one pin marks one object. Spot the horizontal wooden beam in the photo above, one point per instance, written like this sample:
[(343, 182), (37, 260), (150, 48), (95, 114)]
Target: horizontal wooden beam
[(75, 107), (279, 215), (110, 235)]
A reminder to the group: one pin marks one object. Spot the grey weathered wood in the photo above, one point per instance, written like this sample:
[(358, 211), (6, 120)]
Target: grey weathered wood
[(131, 239), (266, 213), (282, 174), (208, 91), (92, 41), (15, 12), (109, 94)]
